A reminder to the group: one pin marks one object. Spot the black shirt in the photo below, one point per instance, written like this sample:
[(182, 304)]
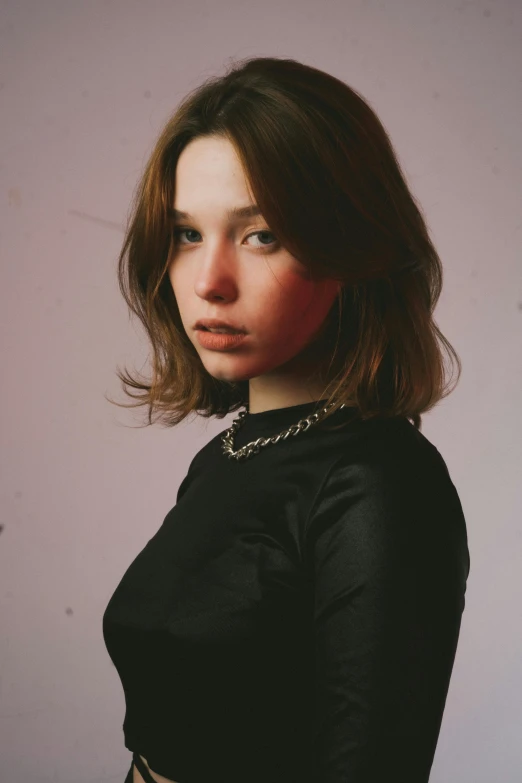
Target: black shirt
[(296, 615)]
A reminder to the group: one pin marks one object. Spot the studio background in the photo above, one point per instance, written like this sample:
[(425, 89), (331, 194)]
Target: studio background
[(85, 87)]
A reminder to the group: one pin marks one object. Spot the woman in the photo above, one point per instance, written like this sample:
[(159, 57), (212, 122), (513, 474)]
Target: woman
[(296, 615)]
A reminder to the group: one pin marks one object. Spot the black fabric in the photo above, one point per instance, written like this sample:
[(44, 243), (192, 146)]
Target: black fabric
[(142, 769), (296, 616)]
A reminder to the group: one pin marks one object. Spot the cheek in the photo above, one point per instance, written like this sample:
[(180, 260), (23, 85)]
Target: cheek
[(289, 324), (288, 295), (304, 313)]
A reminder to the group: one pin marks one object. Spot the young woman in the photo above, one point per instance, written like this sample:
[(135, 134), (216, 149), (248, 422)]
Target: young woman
[(296, 616)]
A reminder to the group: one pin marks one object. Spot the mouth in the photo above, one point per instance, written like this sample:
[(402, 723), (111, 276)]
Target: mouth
[(219, 331), (219, 341)]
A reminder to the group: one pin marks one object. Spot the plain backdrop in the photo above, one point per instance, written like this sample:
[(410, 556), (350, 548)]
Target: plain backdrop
[(85, 88)]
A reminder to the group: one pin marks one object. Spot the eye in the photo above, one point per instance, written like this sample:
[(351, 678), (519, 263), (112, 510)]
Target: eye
[(180, 230), (265, 232)]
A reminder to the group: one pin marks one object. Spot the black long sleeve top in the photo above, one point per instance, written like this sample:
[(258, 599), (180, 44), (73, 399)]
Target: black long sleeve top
[(295, 617)]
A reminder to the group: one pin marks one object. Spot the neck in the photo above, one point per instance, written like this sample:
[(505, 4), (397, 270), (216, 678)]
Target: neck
[(284, 389)]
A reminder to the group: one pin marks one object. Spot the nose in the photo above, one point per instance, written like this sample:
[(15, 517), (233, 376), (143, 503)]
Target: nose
[(216, 278)]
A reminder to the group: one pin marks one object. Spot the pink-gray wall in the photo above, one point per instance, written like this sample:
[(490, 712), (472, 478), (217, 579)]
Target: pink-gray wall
[(84, 89)]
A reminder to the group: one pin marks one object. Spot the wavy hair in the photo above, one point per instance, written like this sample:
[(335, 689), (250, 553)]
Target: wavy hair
[(313, 153)]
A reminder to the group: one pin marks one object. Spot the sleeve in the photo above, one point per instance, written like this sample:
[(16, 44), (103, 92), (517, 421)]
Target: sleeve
[(388, 546)]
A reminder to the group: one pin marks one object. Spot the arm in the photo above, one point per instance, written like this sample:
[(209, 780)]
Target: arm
[(387, 545)]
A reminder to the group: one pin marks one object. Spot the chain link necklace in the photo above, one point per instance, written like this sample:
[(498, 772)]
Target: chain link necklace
[(255, 446)]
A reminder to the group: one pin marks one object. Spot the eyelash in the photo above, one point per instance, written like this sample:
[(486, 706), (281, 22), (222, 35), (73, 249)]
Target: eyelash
[(265, 248)]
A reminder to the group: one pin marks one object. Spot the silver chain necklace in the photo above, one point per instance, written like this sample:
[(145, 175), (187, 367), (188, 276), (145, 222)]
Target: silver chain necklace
[(255, 446)]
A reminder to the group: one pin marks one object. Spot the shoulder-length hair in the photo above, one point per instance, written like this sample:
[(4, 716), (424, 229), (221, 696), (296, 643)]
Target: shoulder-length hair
[(323, 171)]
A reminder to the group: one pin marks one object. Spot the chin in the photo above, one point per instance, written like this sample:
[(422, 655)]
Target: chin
[(229, 377)]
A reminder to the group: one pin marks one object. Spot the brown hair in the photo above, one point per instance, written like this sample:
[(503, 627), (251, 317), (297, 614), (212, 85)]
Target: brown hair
[(314, 155)]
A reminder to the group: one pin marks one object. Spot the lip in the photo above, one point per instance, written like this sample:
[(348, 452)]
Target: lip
[(215, 323), (219, 342)]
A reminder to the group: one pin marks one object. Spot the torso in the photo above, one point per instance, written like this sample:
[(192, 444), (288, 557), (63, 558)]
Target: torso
[(137, 778)]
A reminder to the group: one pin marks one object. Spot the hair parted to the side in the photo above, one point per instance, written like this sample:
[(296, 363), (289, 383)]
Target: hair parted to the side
[(314, 154)]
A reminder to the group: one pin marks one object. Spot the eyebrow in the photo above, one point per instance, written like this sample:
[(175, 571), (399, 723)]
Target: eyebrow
[(236, 213)]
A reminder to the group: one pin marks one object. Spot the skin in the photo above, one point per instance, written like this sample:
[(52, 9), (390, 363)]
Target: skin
[(218, 271), (137, 777)]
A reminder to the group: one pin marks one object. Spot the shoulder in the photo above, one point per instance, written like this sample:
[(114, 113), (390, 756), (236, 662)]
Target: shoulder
[(389, 485), (388, 454)]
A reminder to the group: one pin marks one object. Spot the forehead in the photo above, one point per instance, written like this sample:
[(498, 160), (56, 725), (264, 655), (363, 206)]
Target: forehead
[(208, 156), (209, 177)]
